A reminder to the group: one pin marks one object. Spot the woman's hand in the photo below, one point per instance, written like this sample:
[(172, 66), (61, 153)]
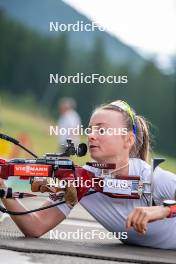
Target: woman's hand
[(140, 216)]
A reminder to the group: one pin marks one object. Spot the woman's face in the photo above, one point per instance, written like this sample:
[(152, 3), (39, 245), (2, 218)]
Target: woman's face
[(111, 146)]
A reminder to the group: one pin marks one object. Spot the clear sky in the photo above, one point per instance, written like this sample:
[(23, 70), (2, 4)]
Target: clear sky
[(148, 25)]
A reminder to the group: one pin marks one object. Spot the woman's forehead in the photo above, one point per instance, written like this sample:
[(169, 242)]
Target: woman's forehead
[(105, 117)]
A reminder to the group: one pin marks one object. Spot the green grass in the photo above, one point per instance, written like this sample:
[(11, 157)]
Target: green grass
[(15, 122)]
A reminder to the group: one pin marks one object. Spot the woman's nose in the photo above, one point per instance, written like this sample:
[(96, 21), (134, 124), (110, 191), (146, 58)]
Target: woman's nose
[(92, 136)]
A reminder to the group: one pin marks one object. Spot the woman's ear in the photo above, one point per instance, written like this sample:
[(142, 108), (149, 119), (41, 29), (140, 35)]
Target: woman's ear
[(129, 140)]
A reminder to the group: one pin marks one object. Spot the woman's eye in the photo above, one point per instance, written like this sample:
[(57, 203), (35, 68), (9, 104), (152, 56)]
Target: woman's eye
[(102, 131), (90, 130)]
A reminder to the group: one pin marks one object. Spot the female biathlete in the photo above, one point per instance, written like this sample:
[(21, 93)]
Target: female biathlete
[(152, 226)]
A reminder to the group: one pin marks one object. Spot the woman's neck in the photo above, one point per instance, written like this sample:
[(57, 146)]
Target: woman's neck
[(122, 166)]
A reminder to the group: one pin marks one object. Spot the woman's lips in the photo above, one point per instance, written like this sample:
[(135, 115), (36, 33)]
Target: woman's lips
[(92, 147)]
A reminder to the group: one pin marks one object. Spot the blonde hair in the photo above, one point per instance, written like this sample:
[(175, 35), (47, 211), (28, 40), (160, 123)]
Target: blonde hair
[(138, 124)]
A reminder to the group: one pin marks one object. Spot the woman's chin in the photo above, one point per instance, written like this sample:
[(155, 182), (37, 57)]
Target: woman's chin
[(97, 157)]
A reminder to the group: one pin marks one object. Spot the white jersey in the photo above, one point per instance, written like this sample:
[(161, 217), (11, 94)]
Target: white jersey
[(112, 213)]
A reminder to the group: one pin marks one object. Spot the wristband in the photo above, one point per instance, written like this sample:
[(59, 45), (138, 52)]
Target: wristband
[(172, 211), (172, 206)]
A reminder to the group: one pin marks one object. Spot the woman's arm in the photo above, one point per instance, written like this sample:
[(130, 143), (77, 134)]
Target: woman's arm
[(34, 224), (164, 188), (140, 216)]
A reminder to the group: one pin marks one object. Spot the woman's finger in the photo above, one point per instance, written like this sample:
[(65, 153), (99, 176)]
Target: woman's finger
[(132, 218), (142, 223)]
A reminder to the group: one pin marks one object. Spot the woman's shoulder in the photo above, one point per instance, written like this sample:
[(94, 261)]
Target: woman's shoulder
[(142, 168), (141, 165), (138, 166)]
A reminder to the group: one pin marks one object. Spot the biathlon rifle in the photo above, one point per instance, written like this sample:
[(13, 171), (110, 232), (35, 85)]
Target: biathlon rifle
[(48, 173)]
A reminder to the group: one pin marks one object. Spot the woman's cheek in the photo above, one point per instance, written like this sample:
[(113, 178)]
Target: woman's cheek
[(110, 142), (116, 143), (113, 140), (111, 146)]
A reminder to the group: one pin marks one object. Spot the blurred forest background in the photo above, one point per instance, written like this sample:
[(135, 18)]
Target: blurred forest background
[(29, 53)]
